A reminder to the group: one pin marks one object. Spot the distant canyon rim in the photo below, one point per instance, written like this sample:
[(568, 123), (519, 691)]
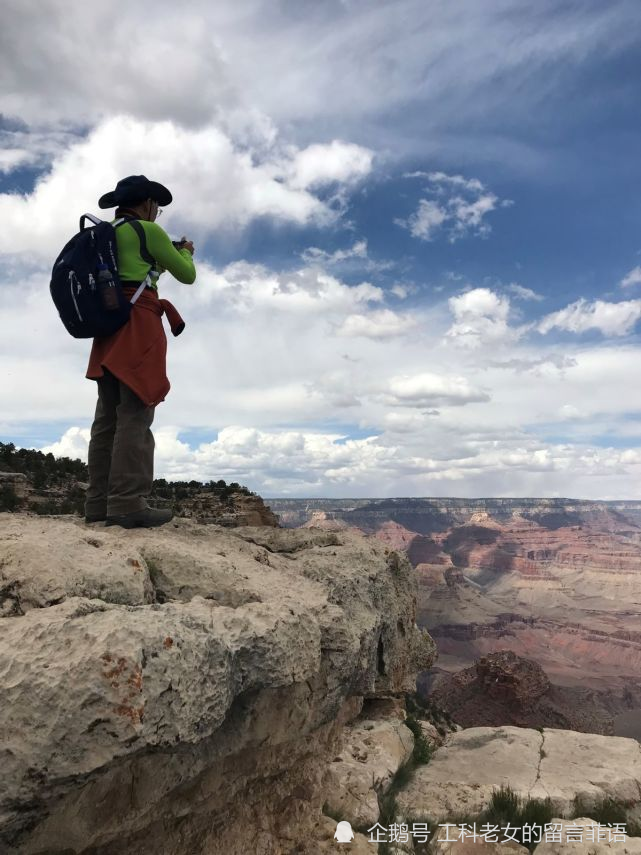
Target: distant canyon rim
[(554, 581)]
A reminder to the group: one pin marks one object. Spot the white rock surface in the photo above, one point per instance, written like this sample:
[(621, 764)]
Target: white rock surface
[(451, 841), (373, 752), (584, 839), (157, 708), (323, 841), (39, 568), (561, 764)]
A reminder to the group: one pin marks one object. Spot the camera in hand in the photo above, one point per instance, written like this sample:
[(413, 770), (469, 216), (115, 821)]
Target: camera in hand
[(180, 243)]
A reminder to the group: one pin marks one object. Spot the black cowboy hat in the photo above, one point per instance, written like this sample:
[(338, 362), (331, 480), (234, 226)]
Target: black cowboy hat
[(135, 189)]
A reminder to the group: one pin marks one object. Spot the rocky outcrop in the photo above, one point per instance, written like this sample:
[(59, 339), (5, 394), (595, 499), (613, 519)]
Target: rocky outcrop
[(238, 509), (373, 751), (15, 482), (326, 521), (584, 836), (580, 836), (452, 841), (558, 764), (43, 484), (503, 688), (510, 679), (185, 689)]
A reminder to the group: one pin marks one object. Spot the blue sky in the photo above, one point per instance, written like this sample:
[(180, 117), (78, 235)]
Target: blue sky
[(417, 230)]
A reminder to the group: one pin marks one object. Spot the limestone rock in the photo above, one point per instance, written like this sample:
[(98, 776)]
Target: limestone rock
[(561, 764), (373, 752), (324, 842), (581, 837), (197, 712), (327, 522), (43, 564), (452, 841)]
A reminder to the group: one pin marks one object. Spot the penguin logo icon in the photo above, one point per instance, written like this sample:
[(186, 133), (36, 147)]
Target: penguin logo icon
[(344, 833)]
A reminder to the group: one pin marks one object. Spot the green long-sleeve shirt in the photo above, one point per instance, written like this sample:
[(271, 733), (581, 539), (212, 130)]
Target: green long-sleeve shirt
[(133, 268)]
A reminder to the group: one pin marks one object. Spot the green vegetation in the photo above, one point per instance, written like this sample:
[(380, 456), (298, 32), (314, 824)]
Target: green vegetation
[(176, 490), (506, 807), (606, 811), (387, 803), (55, 480), (43, 470), (389, 811), (422, 750), (423, 708)]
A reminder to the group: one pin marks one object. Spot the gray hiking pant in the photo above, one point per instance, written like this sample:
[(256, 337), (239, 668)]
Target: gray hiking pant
[(121, 451)]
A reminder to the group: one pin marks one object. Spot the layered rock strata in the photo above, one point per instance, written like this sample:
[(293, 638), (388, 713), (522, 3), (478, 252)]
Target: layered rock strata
[(184, 689)]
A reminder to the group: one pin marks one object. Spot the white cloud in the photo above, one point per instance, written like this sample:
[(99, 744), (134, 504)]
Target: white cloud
[(429, 390), (304, 463), (11, 158), (480, 317), (338, 68), (633, 277), (455, 205), (318, 165), (383, 324), (249, 287), (216, 187), (315, 255), (523, 293), (443, 180), (402, 290), (259, 352), (426, 221), (468, 216), (614, 319), (568, 411), (548, 364), (74, 443)]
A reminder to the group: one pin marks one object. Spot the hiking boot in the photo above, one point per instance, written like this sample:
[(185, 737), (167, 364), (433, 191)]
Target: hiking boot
[(145, 518)]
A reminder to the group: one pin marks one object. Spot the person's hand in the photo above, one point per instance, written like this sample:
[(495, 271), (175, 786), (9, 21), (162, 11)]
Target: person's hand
[(187, 244)]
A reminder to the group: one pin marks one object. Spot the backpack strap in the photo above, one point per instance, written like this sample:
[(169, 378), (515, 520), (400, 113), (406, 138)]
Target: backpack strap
[(142, 237), (91, 217), (144, 252)]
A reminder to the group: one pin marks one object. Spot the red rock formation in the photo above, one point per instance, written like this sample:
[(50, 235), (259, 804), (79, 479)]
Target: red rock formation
[(394, 535), (503, 688), (553, 580), (240, 510)]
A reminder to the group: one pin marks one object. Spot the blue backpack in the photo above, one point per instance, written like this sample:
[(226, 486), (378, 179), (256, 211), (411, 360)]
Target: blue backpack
[(85, 285)]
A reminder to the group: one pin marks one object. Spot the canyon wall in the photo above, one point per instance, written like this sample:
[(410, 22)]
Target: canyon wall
[(556, 581)]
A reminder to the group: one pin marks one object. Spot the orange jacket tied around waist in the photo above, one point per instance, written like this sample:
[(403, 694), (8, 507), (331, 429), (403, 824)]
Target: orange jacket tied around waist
[(137, 353)]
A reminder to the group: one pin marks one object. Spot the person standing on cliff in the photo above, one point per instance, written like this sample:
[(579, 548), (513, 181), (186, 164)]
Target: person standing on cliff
[(130, 365)]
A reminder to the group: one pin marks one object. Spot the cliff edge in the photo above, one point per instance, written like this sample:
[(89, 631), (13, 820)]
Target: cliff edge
[(183, 689)]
